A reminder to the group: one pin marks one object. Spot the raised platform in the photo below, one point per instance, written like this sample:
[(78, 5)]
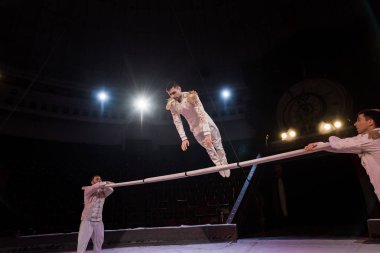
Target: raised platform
[(124, 237)]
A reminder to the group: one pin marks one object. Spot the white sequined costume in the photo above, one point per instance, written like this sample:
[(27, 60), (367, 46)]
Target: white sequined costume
[(200, 124), (92, 226)]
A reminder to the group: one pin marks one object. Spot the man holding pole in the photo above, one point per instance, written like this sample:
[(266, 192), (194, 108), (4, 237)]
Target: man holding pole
[(91, 222), (366, 144)]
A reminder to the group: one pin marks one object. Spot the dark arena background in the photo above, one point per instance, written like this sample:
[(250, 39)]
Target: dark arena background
[(260, 68)]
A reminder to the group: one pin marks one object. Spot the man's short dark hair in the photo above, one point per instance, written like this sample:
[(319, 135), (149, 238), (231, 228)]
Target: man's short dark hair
[(373, 114), (94, 177), (172, 84)]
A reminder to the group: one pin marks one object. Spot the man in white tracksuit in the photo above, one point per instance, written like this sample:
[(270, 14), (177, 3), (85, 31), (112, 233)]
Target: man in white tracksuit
[(366, 144), (91, 222), (201, 125)]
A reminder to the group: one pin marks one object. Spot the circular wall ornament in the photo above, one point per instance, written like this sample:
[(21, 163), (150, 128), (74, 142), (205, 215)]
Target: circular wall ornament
[(304, 105)]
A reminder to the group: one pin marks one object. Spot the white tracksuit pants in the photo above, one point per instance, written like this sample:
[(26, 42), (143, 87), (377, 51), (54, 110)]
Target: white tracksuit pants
[(216, 151), (93, 230)]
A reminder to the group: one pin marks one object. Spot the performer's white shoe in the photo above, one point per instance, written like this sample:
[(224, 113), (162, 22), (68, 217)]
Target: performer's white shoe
[(225, 173)]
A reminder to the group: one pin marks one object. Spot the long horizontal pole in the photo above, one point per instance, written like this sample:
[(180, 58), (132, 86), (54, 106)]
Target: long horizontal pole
[(231, 166)]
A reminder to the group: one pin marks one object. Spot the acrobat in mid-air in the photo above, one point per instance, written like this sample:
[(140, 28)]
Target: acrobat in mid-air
[(201, 125)]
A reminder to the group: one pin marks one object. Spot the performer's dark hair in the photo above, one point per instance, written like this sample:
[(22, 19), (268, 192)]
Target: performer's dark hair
[(373, 114), (95, 176), (172, 84)]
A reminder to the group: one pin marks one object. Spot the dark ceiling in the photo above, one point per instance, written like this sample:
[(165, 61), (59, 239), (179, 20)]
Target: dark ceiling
[(265, 46), (146, 42)]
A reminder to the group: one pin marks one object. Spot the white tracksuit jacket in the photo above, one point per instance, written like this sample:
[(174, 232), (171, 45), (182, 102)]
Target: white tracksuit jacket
[(200, 124), (367, 146), (94, 198), (92, 225)]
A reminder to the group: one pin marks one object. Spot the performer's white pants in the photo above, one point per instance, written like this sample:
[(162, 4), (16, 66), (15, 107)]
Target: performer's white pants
[(216, 151), (93, 230)]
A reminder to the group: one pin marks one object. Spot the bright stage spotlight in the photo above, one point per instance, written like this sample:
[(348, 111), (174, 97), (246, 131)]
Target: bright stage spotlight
[(226, 94), (292, 133), (102, 96), (289, 135), (338, 124), (325, 127), (142, 103)]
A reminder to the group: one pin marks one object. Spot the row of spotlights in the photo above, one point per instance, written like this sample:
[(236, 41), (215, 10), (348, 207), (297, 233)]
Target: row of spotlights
[(324, 127), (289, 135), (142, 103), (103, 96)]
